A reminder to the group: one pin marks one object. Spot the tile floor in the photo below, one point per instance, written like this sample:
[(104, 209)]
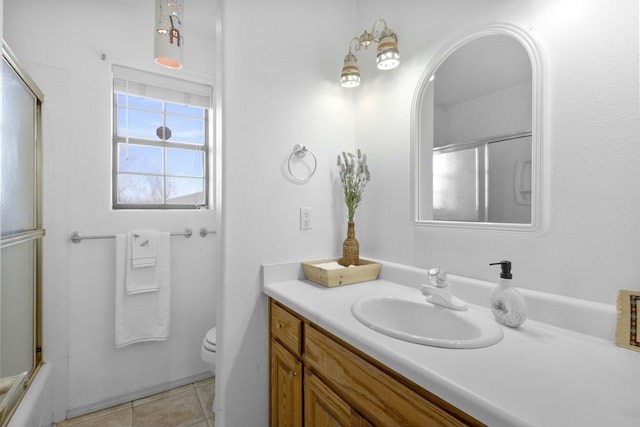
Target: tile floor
[(187, 406)]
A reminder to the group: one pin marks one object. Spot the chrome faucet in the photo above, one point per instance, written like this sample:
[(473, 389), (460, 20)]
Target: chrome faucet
[(438, 292)]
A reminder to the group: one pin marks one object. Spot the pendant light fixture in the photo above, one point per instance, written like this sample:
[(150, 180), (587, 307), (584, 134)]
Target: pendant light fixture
[(387, 55), (169, 42)]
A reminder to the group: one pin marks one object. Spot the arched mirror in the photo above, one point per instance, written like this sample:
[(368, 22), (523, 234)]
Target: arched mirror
[(476, 134)]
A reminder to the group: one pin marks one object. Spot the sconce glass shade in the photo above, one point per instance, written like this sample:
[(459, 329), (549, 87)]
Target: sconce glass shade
[(169, 41), (388, 56), (350, 76)]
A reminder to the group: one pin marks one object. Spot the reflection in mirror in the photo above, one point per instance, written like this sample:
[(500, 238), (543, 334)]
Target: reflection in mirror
[(476, 134)]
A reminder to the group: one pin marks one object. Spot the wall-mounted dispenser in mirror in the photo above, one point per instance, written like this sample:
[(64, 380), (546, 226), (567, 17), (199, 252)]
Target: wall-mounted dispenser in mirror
[(476, 134)]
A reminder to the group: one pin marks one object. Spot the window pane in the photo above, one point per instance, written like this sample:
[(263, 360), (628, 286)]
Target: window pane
[(139, 158), (142, 124), (141, 103), (184, 129), (139, 189), (188, 191), (185, 110), (185, 162)]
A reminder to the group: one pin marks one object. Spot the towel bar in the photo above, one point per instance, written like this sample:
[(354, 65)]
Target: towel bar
[(76, 237), (204, 232)]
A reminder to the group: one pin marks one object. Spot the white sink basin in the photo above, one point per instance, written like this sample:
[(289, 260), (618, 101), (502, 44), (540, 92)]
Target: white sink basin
[(421, 322)]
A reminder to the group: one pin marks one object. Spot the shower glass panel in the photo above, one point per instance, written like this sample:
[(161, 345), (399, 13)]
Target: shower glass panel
[(456, 185), (509, 182), (20, 234), (16, 309), (18, 174), (486, 181)]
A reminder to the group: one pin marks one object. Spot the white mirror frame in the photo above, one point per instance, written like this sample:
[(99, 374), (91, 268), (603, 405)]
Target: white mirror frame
[(536, 128)]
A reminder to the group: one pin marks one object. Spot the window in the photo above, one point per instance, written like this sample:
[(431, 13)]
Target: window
[(161, 140)]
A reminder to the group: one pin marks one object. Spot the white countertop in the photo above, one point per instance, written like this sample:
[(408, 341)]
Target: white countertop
[(538, 375)]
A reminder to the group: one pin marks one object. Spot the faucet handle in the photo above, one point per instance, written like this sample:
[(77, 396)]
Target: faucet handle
[(438, 277)]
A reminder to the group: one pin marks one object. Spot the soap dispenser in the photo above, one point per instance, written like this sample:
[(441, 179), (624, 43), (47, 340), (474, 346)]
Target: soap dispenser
[(507, 303)]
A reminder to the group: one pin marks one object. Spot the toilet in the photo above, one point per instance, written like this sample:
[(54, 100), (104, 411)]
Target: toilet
[(208, 352)]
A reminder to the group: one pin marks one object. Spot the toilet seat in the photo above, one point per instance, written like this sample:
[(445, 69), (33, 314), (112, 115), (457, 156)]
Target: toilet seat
[(209, 341)]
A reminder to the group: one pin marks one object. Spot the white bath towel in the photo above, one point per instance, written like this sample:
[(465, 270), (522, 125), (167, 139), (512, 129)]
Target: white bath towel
[(142, 272), (142, 316), (144, 246)]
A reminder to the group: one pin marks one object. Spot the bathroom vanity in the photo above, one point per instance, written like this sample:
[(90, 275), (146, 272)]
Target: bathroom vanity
[(317, 376), (326, 365)]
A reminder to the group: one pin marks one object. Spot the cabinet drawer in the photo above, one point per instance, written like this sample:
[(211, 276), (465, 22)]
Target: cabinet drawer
[(286, 328), (377, 395)]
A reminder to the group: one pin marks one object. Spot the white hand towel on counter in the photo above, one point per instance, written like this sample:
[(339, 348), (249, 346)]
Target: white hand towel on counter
[(142, 316), (144, 248), (142, 274)]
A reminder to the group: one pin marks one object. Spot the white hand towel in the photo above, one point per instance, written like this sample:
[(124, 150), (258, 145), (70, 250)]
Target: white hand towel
[(137, 279), (143, 248), (143, 316)]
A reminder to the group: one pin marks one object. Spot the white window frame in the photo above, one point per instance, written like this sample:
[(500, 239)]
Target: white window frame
[(167, 89)]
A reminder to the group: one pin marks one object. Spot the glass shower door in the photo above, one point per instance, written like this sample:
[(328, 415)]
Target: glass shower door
[(20, 232)]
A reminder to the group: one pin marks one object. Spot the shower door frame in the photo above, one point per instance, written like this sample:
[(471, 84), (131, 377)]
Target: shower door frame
[(17, 392)]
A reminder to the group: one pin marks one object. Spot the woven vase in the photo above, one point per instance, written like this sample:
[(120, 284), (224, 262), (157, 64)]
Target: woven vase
[(350, 247)]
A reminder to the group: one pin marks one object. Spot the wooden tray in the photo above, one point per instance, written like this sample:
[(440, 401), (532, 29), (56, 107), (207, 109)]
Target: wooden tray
[(366, 271)]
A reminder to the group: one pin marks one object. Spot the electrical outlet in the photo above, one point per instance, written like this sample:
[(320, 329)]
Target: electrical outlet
[(305, 218)]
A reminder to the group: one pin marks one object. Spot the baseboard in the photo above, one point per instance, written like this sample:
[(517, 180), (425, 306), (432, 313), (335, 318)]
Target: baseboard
[(134, 395)]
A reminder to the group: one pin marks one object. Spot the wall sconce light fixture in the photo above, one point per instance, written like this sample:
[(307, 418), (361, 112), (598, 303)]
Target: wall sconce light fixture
[(169, 42), (387, 55)]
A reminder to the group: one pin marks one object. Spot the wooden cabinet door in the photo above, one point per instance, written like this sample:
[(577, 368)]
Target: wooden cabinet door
[(286, 388), (324, 408)]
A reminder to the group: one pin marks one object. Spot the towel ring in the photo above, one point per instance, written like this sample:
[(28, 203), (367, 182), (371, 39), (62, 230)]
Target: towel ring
[(300, 151)]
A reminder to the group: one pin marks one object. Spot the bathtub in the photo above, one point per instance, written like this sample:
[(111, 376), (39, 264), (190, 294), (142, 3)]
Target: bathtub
[(36, 407)]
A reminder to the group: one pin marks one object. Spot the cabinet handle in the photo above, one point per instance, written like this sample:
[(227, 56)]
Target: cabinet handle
[(292, 374), (280, 325)]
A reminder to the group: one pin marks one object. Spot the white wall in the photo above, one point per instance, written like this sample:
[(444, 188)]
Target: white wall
[(281, 63), (60, 44), (589, 247)]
